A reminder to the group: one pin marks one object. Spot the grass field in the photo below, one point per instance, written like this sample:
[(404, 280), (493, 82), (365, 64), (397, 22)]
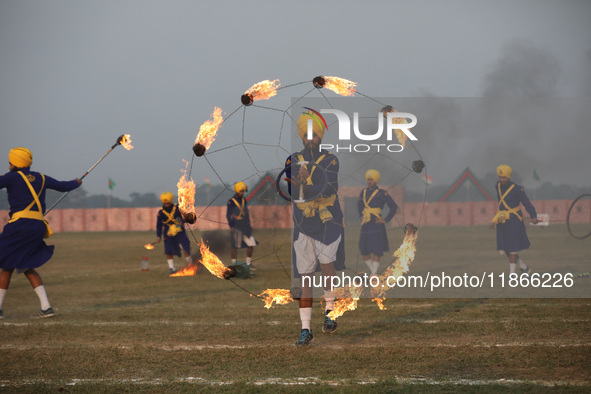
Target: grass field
[(119, 329)]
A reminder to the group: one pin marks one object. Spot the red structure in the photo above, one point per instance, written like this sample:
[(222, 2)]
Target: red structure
[(466, 176)]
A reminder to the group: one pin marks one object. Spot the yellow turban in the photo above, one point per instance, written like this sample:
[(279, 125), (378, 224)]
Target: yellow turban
[(239, 187), (317, 125), (166, 197), (20, 157), (504, 170), (373, 174)]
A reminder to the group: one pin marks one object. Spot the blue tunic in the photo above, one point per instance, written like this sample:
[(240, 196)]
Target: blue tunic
[(313, 226), (21, 242), (241, 219), (373, 238), (511, 235), (172, 245)]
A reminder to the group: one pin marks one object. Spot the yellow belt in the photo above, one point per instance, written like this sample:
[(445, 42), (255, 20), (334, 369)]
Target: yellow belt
[(503, 216), (26, 215), (321, 204), (367, 212)]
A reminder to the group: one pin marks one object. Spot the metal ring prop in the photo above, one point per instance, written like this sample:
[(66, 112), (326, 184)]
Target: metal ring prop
[(568, 218)]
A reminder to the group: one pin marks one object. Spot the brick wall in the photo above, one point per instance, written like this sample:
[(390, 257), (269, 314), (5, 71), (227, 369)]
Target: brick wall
[(279, 216)]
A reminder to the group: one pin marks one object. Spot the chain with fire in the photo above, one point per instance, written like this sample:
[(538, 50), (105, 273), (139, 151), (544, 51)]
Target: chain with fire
[(346, 297)]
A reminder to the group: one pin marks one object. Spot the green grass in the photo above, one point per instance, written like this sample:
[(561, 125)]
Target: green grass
[(119, 329)]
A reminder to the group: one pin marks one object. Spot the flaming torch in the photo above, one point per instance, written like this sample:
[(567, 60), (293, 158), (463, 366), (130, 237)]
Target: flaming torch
[(208, 132), (186, 190), (123, 140), (263, 90), (279, 296), (214, 264), (405, 254), (338, 85), (400, 135)]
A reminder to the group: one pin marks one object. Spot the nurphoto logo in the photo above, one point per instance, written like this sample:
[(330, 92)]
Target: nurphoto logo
[(394, 121)]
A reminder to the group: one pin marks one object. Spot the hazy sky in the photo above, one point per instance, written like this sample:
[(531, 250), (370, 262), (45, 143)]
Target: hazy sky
[(74, 75)]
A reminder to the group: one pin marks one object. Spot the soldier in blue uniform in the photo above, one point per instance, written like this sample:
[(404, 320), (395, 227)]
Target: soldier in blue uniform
[(21, 243), (318, 234), (239, 222), (511, 235), (373, 239), (170, 223)]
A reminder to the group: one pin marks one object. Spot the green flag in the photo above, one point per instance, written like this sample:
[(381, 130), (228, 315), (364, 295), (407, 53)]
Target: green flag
[(536, 177), (111, 184)]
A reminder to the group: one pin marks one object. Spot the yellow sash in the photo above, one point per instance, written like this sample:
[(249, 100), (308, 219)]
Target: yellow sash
[(319, 204), (503, 216), (368, 211), (173, 225), (309, 179), (241, 207), (27, 213)]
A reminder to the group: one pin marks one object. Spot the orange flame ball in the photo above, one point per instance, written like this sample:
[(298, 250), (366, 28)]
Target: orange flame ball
[(263, 90), (149, 246), (186, 192), (279, 296), (212, 262), (208, 130), (340, 86), (400, 135), (126, 142)]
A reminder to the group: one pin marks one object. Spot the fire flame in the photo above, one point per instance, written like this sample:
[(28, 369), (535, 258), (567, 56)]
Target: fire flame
[(212, 262), (263, 90), (347, 297), (346, 300), (208, 130), (405, 254), (380, 303), (126, 142), (279, 296), (186, 192), (189, 270), (149, 246), (400, 135), (340, 86)]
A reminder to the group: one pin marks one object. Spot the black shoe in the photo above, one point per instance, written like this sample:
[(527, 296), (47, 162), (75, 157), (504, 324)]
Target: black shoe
[(44, 313), (306, 337), (1, 314), (329, 325)]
